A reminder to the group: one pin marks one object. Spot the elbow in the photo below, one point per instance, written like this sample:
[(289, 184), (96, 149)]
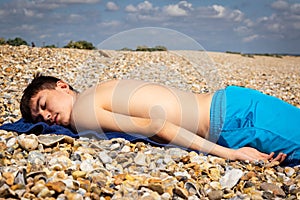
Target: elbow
[(156, 126)]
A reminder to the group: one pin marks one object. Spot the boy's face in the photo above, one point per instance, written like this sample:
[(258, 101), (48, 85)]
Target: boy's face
[(53, 106)]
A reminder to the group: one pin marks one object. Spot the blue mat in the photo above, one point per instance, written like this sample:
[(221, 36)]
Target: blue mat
[(21, 126)]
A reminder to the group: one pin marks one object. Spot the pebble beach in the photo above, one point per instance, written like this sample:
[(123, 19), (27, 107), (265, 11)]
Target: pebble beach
[(61, 167)]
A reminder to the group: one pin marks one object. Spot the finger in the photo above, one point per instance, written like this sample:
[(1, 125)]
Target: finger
[(280, 157), (270, 156), (283, 157)]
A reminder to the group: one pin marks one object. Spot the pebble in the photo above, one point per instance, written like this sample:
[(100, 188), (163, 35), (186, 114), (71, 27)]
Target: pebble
[(105, 158), (231, 178), (59, 167), (28, 142), (274, 189), (215, 195), (140, 159)]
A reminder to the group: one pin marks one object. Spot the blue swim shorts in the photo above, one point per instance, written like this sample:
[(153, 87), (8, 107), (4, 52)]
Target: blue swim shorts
[(242, 117)]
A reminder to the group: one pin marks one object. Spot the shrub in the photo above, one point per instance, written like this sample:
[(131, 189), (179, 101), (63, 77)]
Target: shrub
[(142, 48), (80, 45), (160, 48), (50, 46), (126, 49), (156, 48), (233, 52), (16, 42)]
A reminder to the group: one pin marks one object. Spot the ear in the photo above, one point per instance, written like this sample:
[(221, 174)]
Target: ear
[(62, 86)]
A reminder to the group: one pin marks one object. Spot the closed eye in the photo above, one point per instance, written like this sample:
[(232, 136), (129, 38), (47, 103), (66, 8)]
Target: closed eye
[(43, 106)]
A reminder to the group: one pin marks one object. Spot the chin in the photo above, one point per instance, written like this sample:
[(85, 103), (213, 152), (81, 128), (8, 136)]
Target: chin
[(65, 123)]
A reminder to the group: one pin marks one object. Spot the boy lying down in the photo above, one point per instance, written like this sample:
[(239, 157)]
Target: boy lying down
[(234, 123)]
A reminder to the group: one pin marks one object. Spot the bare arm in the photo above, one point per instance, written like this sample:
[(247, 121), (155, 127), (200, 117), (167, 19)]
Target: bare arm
[(175, 135)]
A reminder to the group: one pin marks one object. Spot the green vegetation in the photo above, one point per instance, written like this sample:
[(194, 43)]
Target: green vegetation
[(268, 54), (251, 55), (76, 45), (146, 48), (156, 48), (126, 49), (233, 52), (50, 46), (16, 42), (80, 45), (248, 55)]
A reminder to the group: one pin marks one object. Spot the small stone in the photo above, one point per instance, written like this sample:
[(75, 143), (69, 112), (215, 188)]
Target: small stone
[(126, 149), (45, 192), (140, 159), (191, 188), (49, 140), (215, 185), (84, 184), (215, 195), (36, 158), (11, 142), (20, 177), (28, 142), (289, 171), (3, 146), (9, 178), (73, 196), (119, 179), (248, 175), (231, 177), (87, 165), (165, 196), (115, 146), (105, 158), (156, 187), (4, 190), (267, 195), (182, 174), (57, 186), (214, 174), (37, 188), (270, 187), (78, 174), (181, 192)]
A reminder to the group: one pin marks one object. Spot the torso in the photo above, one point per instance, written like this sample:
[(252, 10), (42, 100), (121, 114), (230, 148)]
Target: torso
[(147, 100)]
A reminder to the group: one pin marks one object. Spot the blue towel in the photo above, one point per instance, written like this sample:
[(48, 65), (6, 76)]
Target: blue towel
[(21, 126)]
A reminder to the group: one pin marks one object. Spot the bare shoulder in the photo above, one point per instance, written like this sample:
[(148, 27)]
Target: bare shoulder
[(90, 103)]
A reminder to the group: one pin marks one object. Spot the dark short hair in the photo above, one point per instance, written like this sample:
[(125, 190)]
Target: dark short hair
[(38, 84)]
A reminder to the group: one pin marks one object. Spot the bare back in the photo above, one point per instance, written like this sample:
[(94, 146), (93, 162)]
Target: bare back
[(145, 100)]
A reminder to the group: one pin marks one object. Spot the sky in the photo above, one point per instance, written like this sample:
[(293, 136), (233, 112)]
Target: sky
[(256, 26)]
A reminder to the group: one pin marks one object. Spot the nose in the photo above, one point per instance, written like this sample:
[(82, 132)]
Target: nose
[(46, 116)]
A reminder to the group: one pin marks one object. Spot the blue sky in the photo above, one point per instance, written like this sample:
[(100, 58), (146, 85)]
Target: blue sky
[(255, 26)]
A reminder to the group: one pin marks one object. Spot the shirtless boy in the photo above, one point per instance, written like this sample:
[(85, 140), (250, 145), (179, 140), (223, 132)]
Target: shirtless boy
[(235, 123)]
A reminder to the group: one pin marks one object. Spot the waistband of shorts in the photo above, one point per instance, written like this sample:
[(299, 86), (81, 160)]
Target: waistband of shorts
[(217, 115)]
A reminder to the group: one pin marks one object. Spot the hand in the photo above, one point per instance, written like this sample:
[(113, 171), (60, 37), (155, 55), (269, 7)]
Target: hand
[(251, 154)]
